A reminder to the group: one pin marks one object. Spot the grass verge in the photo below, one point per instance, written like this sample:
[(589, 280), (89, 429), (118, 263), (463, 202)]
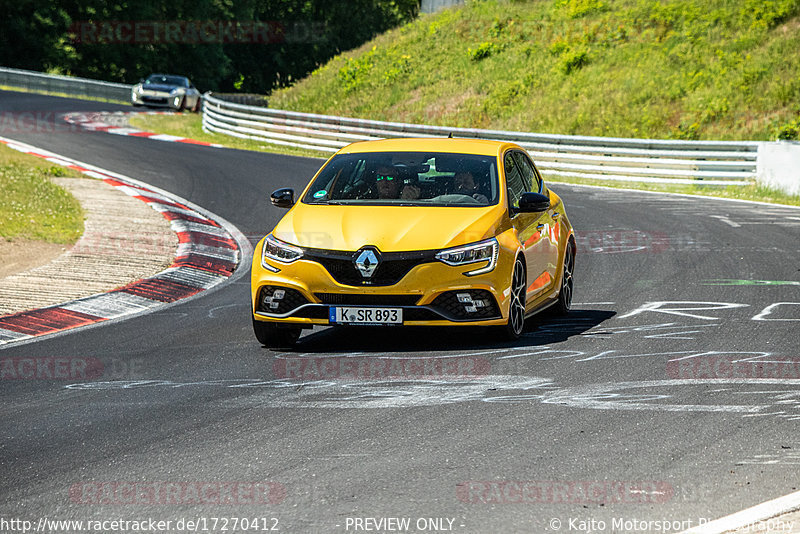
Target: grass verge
[(31, 205)]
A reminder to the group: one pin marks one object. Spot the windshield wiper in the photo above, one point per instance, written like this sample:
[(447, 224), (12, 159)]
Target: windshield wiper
[(327, 202)]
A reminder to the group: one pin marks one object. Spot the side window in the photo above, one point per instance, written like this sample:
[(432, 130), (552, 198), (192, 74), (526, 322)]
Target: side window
[(541, 187), (515, 183), (529, 174), (348, 181)]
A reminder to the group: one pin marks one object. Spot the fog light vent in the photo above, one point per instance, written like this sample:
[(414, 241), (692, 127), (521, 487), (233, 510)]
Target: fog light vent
[(469, 304), (278, 300)]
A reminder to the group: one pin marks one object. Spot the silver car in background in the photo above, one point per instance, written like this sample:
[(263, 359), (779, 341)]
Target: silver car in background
[(166, 90)]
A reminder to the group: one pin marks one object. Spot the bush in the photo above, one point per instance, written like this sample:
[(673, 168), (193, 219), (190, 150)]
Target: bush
[(483, 51), (790, 131), (56, 171), (579, 8), (767, 13), (573, 60), (499, 26), (399, 67), (355, 72), (688, 132), (558, 47)]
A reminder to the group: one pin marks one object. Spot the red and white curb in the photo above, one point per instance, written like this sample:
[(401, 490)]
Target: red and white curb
[(105, 122), (209, 251)]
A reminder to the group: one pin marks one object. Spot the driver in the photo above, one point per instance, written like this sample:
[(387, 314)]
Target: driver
[(465, 185), (389, 185)]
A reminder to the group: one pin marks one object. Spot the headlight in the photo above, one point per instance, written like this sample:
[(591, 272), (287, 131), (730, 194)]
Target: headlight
[(277, 250), (138, 89), (482, 251), (176, 91)]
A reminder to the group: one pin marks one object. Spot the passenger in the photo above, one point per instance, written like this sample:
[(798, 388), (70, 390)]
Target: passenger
[(389, 185), (465, 184)]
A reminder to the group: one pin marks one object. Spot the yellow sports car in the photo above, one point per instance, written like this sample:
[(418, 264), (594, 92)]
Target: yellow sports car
[(438, 232)]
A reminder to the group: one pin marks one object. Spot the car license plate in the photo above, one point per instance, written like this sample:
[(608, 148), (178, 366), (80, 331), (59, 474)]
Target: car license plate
[(347, 315)]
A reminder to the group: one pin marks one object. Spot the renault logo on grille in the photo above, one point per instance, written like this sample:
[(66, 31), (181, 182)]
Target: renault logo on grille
[(366, 262)]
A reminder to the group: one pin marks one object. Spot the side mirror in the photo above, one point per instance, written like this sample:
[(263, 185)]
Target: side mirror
[(533, 203), (282, 198)]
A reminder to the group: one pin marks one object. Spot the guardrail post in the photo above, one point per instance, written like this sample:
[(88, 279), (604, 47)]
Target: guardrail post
[(779, 166)]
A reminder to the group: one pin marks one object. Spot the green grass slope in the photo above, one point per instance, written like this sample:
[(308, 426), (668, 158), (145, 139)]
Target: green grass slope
[(690, 69), (31, 205)]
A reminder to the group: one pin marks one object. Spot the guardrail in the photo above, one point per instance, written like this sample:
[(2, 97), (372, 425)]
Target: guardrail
[(68, 85), (635, 160), (722, 163)]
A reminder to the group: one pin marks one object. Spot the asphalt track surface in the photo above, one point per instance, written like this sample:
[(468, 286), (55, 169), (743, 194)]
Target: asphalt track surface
[(589, 398)]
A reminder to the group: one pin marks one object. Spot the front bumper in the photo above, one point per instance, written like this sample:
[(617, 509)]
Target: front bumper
[(164, 100), (430, 293)]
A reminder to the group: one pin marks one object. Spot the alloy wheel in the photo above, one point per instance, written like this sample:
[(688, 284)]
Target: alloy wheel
[(567, 282), (516, 311)]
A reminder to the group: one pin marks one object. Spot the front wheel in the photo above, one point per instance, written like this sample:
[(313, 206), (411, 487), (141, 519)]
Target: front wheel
[(512, 330), (273, 336), (564, 302)]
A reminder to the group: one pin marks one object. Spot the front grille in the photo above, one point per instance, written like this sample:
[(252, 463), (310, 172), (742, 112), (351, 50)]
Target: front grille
[(279, 300), (347, 299), (392, 268), (154, 100), (467, 304), (421, 314), (315, 311)]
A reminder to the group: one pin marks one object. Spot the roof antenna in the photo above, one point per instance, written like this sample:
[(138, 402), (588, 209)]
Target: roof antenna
[(450, 136)]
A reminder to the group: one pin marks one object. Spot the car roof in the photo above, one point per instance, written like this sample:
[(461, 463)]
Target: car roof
[(483, 147), (168, 75)]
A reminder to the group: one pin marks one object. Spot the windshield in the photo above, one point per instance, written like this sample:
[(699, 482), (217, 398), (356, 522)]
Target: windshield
[(160, 79), (406, 178)]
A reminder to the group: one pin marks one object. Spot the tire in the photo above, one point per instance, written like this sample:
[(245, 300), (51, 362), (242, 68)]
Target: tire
[(196, 108), (564, 302), (513, 329), (273, 336)]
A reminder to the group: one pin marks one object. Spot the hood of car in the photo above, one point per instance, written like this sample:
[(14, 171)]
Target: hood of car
[(389, 228), (158, 87)]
